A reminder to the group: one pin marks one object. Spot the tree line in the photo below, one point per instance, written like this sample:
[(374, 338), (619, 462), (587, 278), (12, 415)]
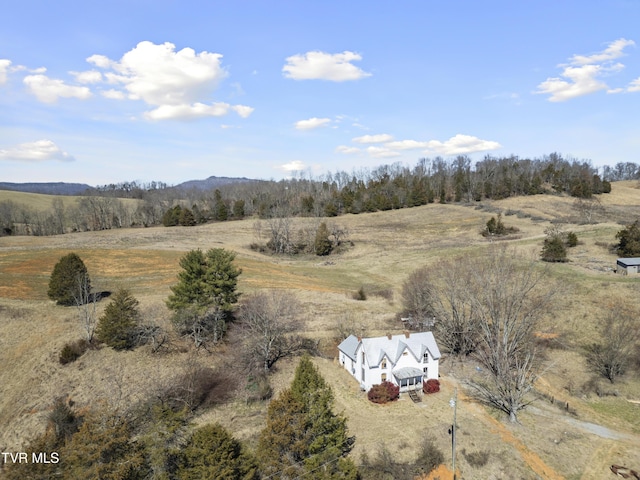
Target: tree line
[(366, 190)]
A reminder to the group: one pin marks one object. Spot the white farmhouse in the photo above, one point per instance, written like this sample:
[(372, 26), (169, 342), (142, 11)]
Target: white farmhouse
[(405, 360)]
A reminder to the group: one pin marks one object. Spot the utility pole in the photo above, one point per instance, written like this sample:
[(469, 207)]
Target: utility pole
[(454, 403)]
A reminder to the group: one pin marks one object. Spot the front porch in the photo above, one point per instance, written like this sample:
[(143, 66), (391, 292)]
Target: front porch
[(408, 378)]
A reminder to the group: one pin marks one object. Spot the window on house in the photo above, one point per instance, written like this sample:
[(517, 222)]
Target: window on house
[(384, 363), (363, 358), (405, 354), (425, 369), (425, 358), (383, 377)]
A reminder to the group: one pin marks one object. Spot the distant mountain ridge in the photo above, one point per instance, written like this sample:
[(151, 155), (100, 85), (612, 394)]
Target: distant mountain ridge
[(63, 188), (213, 182), (48, 188)]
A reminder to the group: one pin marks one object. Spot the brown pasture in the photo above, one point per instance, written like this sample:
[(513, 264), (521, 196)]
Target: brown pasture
[(387, 246)]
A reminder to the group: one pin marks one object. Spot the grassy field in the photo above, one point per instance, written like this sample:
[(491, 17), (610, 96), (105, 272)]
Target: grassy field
[(387, 246)]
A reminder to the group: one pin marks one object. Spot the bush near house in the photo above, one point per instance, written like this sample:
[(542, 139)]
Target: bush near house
[(431, 386), (384, 392)]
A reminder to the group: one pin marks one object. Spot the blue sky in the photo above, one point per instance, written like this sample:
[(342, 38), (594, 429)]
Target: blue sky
[(102, 92)]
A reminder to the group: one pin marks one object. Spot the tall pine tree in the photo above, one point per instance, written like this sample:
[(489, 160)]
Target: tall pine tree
[(303, 437), (116, 327)]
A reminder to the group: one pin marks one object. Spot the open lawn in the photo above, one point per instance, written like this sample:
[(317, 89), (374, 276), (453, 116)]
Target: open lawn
[(549, 443)]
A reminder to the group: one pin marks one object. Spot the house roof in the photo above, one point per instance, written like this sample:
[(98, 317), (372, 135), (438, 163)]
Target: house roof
[(627, 262), (349, 346), (407, 372), (377, 348)]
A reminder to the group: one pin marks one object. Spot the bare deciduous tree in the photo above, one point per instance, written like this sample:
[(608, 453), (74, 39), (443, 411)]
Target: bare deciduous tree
[(488, 306), (509, 297), (587, 208), (269, 320), (611, 355), (439, 295), (86, 305)]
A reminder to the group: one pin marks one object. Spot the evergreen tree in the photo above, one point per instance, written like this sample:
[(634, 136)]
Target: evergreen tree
[(212, 453), (629, 240), (118, 323), (206, 280), (186, 218), (171, 217), (323, 244), (68, 278), (554, 249), (205, 294), (238, 209), (103, 448), (303, 437)]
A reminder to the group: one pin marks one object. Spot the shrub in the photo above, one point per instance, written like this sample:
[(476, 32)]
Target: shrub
[(73, 351), (360, 294), (431, 386), (63, 420), (430, 455), (258, 388), (572, 239), (553, 249), (496, 227), (383, 392), (476, 459)]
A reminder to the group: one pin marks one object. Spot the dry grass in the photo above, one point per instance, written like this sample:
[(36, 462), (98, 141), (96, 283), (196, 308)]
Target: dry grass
[(387, 247)]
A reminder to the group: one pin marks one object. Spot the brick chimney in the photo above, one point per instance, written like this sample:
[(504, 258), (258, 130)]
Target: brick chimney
[(407, 333), (389, 336)]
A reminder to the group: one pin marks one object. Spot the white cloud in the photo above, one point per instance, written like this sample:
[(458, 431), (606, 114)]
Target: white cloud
[(581, 81), (89, 76), (294, 166), (312, 123), (113, 94), (177, 83), (406, 145), (101, 61), (347, 149), (243, 110), (4, 69), (460, 145), (49, 90), (382, 152), (38, 151), (196, 110), (634, 86), (583, 74), (613, 51), (318, 65), (379, 138)]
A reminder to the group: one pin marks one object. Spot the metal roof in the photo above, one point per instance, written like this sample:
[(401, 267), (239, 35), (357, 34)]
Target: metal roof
[(349, 346), (377, 348), (628, 262), (407, 372)]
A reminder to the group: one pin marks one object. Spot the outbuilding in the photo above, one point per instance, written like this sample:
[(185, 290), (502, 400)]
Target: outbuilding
[(626, 266)]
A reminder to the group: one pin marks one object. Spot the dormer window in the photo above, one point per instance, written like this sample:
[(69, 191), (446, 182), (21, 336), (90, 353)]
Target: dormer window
[(384, 363), (425, 357)]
